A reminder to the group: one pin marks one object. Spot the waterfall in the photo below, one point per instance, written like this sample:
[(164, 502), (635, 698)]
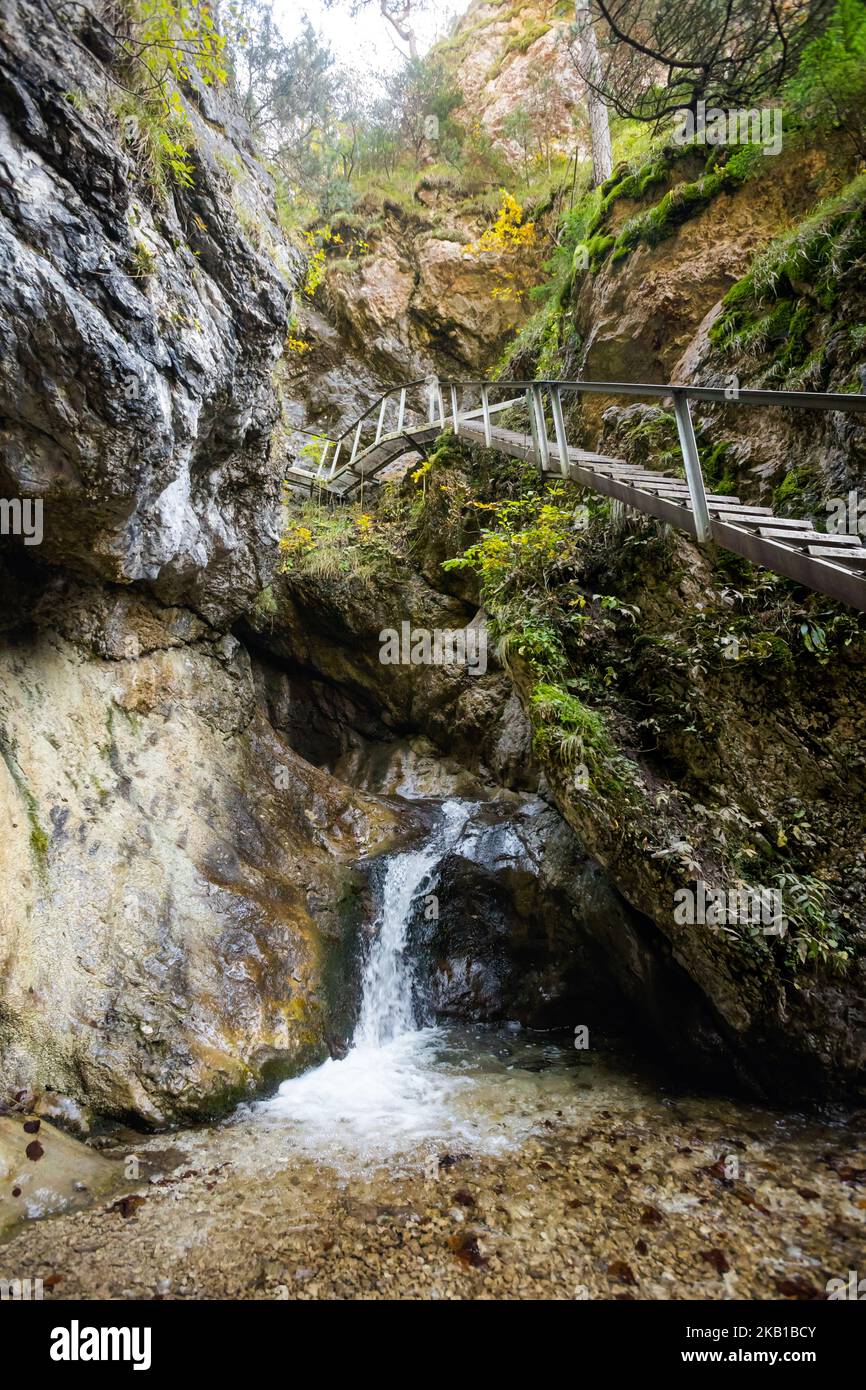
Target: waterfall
[(389, 1093), (402, 1090), (388, 982)]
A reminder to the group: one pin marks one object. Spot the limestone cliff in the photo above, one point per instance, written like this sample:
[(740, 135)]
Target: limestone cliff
[(182, 881), (139, 326)]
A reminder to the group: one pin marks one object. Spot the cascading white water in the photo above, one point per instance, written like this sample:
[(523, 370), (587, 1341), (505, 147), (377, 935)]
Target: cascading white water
[(402, 1091), (391, 1092), (387, 988)]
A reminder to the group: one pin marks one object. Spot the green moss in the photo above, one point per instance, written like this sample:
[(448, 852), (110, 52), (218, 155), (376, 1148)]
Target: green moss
[(795, 493), (567, 731), (661, 221), (768, 314), (597, 249), (532, 31), (266, 605), (718, 469), (39, 840)]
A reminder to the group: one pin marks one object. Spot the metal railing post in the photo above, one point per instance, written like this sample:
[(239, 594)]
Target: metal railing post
[(692, 461), (533, 428), (356, 443), (321, 467), (455, 411), (431, 400), (335, 458), (485, 406), (441, 399), (401, 412), (541, 428), (559, 426), (381, 423)]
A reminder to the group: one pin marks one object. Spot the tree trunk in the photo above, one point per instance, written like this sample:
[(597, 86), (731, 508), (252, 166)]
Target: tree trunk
[(402, 27), (590, 71)]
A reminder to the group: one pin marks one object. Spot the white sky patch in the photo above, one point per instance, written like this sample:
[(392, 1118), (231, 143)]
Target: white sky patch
[(366, 42)]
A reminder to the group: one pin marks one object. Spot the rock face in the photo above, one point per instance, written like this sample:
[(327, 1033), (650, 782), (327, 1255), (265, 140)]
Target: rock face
[(43, 1170), (511, 56), (416, 303), (637, 319), (138, 330), (530, 929), (402, 298), (185, 916), (332, 666)]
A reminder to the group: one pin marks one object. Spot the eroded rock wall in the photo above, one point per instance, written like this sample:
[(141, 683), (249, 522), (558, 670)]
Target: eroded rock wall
[(185, 906), (138, 326)]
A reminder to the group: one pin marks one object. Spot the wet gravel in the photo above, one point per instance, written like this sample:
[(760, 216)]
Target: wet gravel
[(612, 1189)]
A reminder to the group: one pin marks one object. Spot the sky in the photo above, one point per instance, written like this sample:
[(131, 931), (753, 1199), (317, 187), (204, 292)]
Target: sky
[(367, 41)]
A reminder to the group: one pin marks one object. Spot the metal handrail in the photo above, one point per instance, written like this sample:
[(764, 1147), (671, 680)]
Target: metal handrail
[(807, 400), (376, 405), (680, 393)]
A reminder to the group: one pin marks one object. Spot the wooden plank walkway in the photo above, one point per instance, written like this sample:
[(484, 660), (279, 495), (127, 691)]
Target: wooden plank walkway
[(832, 564)]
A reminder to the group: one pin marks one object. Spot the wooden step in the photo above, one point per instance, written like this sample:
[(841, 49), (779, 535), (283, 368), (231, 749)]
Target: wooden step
[(856, 558), (796, 537), (726, 512)]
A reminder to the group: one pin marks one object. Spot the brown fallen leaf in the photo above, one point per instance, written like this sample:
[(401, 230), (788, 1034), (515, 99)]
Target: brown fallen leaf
[(619, 1270), (127, 1206), (467, 1250), (797, 1287), (716, 1258)]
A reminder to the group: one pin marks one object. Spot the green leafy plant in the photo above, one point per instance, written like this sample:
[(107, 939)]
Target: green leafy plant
[(813, 933), (157, 45), (829, 89)]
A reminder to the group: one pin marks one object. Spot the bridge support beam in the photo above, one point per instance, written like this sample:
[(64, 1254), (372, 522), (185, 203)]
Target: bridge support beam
[(692, 461), (485, 406), (381, 423), (356, 442), (540, 428), (559, 426), (335, 459)]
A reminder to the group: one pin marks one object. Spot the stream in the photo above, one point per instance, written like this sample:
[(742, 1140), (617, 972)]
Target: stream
[(470, 1161)]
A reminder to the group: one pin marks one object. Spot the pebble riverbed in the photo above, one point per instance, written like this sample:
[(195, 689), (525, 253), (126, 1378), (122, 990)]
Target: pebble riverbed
[(556, 1174)]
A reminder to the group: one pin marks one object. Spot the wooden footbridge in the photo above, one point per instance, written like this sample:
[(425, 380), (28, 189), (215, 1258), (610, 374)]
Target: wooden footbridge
[(830, 563)]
